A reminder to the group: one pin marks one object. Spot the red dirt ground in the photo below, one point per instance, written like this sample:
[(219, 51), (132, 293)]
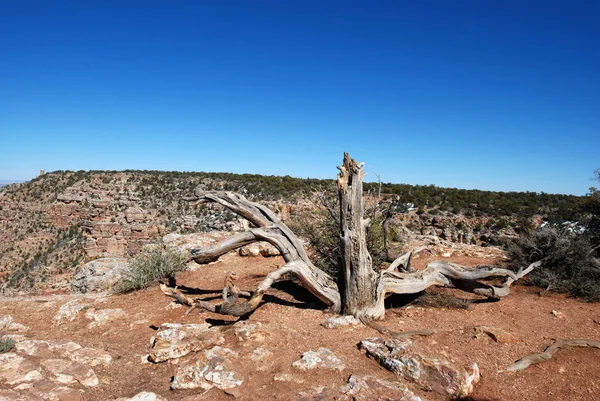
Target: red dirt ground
[(292, 319)]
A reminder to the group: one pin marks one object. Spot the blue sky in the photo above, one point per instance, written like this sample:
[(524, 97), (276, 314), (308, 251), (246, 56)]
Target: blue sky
[(500, 95)]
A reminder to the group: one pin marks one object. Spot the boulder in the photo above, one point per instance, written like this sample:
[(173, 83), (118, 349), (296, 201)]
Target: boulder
[(99, 275), (432, 374)]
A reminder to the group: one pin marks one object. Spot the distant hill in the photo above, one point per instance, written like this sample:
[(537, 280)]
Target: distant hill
[(54, 223), (4, 183)]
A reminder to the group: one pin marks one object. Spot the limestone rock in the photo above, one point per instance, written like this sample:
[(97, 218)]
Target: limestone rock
[(366, 388), (249, 250), (134, 214), (101, 317), (90, 356), (208, 370), (176, 340), (99, 275), (430, 373), (323, 358), (68, 312), (340, 321), (267, 250), (260, 354), (245, 330), (69, 372), (46, 349), (7, 324), (186, 242), (47, 390), (15, 369), (143, 396)]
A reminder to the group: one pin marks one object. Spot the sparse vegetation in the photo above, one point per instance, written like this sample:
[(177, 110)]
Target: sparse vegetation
[(6, 344), (154, 262), (568, 265)]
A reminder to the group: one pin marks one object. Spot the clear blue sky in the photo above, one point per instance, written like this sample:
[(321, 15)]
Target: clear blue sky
[(500, 95)]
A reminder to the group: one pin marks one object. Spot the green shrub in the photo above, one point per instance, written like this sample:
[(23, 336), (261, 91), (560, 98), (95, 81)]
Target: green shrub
[(153, 263), (568, 265), (6, 344)]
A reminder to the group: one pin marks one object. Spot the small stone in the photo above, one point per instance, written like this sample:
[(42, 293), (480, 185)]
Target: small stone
[(323, 358), (143, 396), (497, 334), (245, 331), (260, 354), (558, 314), (340, 321)]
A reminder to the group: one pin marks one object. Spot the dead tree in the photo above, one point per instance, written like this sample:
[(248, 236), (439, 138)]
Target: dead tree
[(360, 290)]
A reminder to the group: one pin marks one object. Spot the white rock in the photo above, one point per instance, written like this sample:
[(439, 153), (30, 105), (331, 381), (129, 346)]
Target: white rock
[(340, 321), (323, 358), (7, 323), (68, 312)]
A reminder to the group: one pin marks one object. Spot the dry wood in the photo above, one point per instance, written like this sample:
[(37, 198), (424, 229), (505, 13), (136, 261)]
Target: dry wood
[(524, 362), (362, 290)]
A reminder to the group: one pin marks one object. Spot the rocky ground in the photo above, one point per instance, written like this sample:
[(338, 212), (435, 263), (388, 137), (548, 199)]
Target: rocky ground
[(142, 346)]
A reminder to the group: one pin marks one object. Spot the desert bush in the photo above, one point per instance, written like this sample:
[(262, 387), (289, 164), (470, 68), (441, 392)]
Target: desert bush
[(6, 344), (568, 265), (153, 263)]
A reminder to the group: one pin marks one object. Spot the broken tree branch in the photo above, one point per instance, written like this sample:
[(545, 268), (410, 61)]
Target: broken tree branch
[(524, 362)]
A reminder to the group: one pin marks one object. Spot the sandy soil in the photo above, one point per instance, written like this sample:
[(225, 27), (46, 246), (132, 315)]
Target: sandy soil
[(292, 318)]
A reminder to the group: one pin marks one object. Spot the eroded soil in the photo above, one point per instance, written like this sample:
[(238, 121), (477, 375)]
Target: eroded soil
[(292, 320)]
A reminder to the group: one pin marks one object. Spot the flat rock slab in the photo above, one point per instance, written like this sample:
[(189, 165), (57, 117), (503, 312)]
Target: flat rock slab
[(429, 373), (70, 350), (68, 312), (323, 358), (175, 340), (204, 371), (340, 321), (69, 372), (8, 325), (47, 390), (15, 369), (366, 388), (143, 396)]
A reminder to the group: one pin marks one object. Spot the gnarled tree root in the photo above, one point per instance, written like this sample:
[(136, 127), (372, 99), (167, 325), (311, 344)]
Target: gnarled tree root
[(525, 362)]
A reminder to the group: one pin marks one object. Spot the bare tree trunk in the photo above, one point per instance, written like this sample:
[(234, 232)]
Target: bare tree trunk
[(360, 290), (361, 284)]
